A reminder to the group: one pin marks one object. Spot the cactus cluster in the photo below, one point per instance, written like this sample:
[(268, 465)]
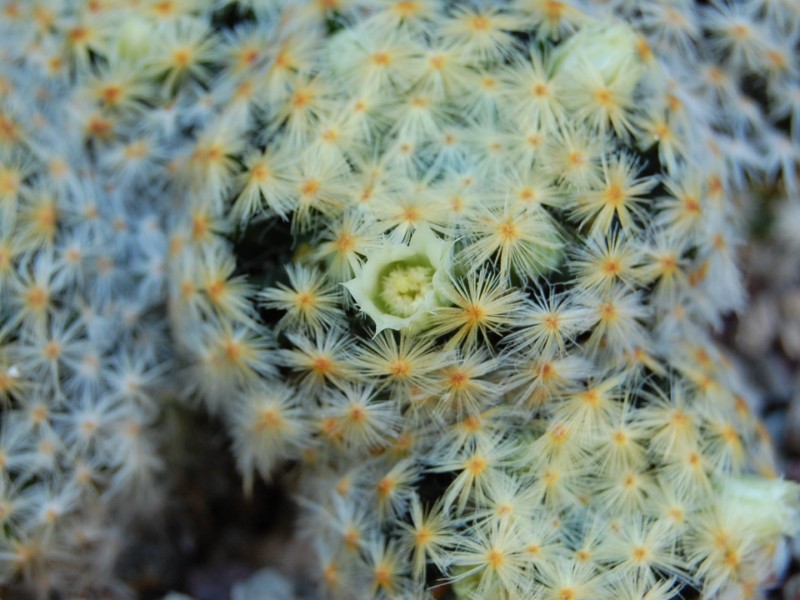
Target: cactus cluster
[(83, 333), (453, 267)]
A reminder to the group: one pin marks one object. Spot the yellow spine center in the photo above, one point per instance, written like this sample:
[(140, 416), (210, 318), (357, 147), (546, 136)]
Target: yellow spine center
[(404, 288)]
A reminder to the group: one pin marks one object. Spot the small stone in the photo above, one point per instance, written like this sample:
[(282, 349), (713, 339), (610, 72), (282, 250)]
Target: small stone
[(788, 223), (790, 340), (758, 327), (790, 304), (266, 584)]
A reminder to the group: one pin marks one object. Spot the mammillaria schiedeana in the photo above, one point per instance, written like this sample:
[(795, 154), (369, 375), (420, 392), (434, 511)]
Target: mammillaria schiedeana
[(83, 332), (506, 230), (455, 266)]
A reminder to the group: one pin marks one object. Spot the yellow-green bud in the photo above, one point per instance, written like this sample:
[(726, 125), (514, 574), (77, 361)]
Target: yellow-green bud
[(608, 48), (769, 508), (135, 38)]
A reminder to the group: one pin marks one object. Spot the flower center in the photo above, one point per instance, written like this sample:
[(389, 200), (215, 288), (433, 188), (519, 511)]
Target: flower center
[(404, 288)]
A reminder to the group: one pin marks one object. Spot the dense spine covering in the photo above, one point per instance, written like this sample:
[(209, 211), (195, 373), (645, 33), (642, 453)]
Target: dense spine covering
[(538, 411), (455, 263), (83, 259)]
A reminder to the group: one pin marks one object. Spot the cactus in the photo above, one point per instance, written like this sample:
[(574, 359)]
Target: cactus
[(454, 267)]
